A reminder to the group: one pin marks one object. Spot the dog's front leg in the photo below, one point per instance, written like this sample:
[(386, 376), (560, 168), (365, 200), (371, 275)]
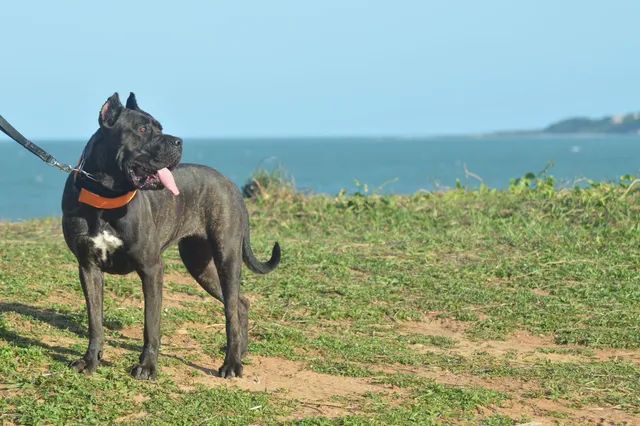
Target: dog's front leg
[(151, 276), (91, 279)]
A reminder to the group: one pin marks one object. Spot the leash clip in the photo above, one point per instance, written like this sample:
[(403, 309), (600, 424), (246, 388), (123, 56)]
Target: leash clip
[(79, 169)]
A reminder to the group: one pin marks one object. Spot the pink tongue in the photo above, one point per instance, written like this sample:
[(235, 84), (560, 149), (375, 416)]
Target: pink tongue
[(167, 180)]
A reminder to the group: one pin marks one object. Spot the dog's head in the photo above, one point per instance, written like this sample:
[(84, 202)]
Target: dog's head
[(130, 150)]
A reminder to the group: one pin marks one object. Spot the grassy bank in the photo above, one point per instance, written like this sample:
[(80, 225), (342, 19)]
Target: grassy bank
[(491, 307)]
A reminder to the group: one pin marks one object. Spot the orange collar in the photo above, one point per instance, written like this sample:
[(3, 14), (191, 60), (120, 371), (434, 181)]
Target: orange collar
[(100, 202)]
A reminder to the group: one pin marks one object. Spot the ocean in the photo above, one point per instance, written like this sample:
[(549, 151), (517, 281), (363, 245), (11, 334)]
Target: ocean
[(30, 189)]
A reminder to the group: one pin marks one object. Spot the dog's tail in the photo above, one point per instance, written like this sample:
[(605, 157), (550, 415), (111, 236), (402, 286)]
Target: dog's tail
[(254, 264)]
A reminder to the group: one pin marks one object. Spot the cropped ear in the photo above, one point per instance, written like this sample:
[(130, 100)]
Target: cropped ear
[(131, 101), (110, 111)]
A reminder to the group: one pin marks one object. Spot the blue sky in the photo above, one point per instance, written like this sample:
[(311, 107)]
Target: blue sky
[(330, 67)]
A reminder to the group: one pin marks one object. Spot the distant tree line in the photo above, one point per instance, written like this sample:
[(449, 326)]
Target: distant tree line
[(629, 123)]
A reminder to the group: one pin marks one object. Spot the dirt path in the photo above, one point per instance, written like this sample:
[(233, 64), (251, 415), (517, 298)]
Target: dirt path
[(317, 394), (523, 345)]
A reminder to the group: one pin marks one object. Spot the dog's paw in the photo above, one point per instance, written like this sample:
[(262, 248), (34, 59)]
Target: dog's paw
[(85, 366), (230, 369), (144, 372)]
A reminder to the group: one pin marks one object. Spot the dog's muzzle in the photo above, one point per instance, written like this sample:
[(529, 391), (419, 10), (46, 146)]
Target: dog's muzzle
[(154, 172)]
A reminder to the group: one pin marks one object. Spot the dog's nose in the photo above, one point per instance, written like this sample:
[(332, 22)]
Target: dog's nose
[(177, 142)]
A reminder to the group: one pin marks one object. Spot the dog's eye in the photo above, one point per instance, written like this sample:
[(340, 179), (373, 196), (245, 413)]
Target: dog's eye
[(142, 129)]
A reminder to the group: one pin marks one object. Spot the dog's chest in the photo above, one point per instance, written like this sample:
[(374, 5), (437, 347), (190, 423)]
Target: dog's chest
[(105, 244)]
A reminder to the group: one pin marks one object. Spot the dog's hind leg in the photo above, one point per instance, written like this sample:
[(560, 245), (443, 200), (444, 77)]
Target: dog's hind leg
[(229, 266), (91, 279), (198, 259), (197, 255)]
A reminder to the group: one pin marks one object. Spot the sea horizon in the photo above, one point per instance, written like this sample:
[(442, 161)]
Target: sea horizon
[(328, 165), (498, 134)]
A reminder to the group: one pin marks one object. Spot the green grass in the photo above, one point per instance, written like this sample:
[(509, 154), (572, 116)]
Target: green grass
[(359, 276)]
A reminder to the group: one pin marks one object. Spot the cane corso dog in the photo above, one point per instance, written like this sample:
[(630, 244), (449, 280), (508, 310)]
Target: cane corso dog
[(130, 200)]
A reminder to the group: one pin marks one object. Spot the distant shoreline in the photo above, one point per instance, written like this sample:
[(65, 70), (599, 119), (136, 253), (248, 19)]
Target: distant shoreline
[(533, 134), (618, 125)]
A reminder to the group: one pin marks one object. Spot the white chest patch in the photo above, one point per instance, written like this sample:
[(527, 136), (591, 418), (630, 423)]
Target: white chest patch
[(105, 244)]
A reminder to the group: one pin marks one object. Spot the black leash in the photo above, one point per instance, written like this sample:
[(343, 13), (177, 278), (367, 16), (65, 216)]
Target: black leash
[(10, 131)]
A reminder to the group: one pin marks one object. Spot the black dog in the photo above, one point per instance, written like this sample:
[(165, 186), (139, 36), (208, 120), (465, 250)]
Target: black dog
[(118, 218)]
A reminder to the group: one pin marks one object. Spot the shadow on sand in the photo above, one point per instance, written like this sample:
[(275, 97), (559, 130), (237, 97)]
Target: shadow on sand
[(70, 322)]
